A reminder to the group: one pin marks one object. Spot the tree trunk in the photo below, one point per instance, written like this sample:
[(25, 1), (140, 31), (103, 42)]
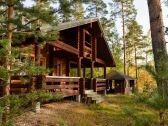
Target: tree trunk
[(10, 11), (158, 39), (136, 66), (124, 45)]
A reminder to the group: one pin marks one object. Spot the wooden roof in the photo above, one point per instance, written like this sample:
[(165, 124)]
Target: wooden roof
[(103, 48), (67, 25), (115, 75)]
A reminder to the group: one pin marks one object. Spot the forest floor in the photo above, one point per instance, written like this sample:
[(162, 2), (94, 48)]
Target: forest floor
[(116, 110)]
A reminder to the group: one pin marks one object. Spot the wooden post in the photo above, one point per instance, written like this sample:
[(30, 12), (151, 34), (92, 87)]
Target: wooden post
[(94, 84), (79, 67), (81, 41), (92, 69), (67, 68), (82, 86), (105, 71), (84, 72), (94, 48), (92, 74)]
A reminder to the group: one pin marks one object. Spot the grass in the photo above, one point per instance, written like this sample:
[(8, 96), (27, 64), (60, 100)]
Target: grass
[(117, 110)]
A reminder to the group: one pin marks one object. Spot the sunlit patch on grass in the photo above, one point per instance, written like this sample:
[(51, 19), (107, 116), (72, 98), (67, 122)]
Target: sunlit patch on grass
[(117, 110)]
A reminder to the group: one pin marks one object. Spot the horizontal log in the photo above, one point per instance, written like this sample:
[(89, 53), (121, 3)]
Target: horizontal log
[(67, 92), (101, 80), (19, 85), (88, 49), (101, 84), (16, 81), (88, 33), (51, 87), (61, 80), (64, 46), (100, 61), (100, 88), (87, 44)]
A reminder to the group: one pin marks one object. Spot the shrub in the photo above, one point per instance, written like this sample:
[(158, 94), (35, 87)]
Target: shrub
[(57, 97)]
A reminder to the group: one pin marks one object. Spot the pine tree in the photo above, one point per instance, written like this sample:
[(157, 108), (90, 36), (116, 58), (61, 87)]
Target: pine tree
[(70, 10), (159, 45), (125, 10), (14, 29), (97, 9), (134, 39), (77, 11)]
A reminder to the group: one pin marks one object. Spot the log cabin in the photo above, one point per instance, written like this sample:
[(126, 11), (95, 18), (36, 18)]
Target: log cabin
[(81, 44)]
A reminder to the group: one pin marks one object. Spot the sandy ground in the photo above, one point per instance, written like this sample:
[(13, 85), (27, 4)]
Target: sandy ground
[(49, 114)]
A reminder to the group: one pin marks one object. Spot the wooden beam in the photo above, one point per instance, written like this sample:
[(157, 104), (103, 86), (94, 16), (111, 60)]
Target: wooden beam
[(79, 66), (79, 36), (104, 71), (81, 41), (61, 80), (88, 33), (94, 48), (84, 72), (91, 25), (64, 46), (100, 61), (92, 69)]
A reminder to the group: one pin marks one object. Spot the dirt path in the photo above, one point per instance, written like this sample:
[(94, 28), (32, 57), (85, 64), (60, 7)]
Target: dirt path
[(50, 114)]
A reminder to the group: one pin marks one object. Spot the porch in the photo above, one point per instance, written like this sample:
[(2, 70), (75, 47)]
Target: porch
[(67, 86), (72, 86)]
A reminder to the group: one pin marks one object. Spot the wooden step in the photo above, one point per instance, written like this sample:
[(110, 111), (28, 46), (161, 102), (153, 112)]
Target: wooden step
[(88, 91), (99, 101)]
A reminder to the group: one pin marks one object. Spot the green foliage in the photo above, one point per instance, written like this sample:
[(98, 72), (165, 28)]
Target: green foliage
[(129, 111), (137, 119), (3, 48), (128, 9), (39, 95), (19, 105), (4, 74), (158, 102), (96, 107), (143, 97), (21, 37), (96, 8), (62, 123), (58, 97)]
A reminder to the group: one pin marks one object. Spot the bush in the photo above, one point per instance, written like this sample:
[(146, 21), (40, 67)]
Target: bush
[(57, 97), (22, 104), (140, 98), (136, 119)]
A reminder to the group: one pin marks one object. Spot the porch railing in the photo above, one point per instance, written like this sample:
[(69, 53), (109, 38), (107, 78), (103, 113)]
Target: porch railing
[(68, 86), (99, 84), (17, 85)]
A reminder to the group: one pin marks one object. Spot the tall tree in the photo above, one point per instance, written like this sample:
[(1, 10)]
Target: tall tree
[(126, 11), (158, 43), (97, 9), (70, 10), (77, 11), (134, 39), (14, 12)]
